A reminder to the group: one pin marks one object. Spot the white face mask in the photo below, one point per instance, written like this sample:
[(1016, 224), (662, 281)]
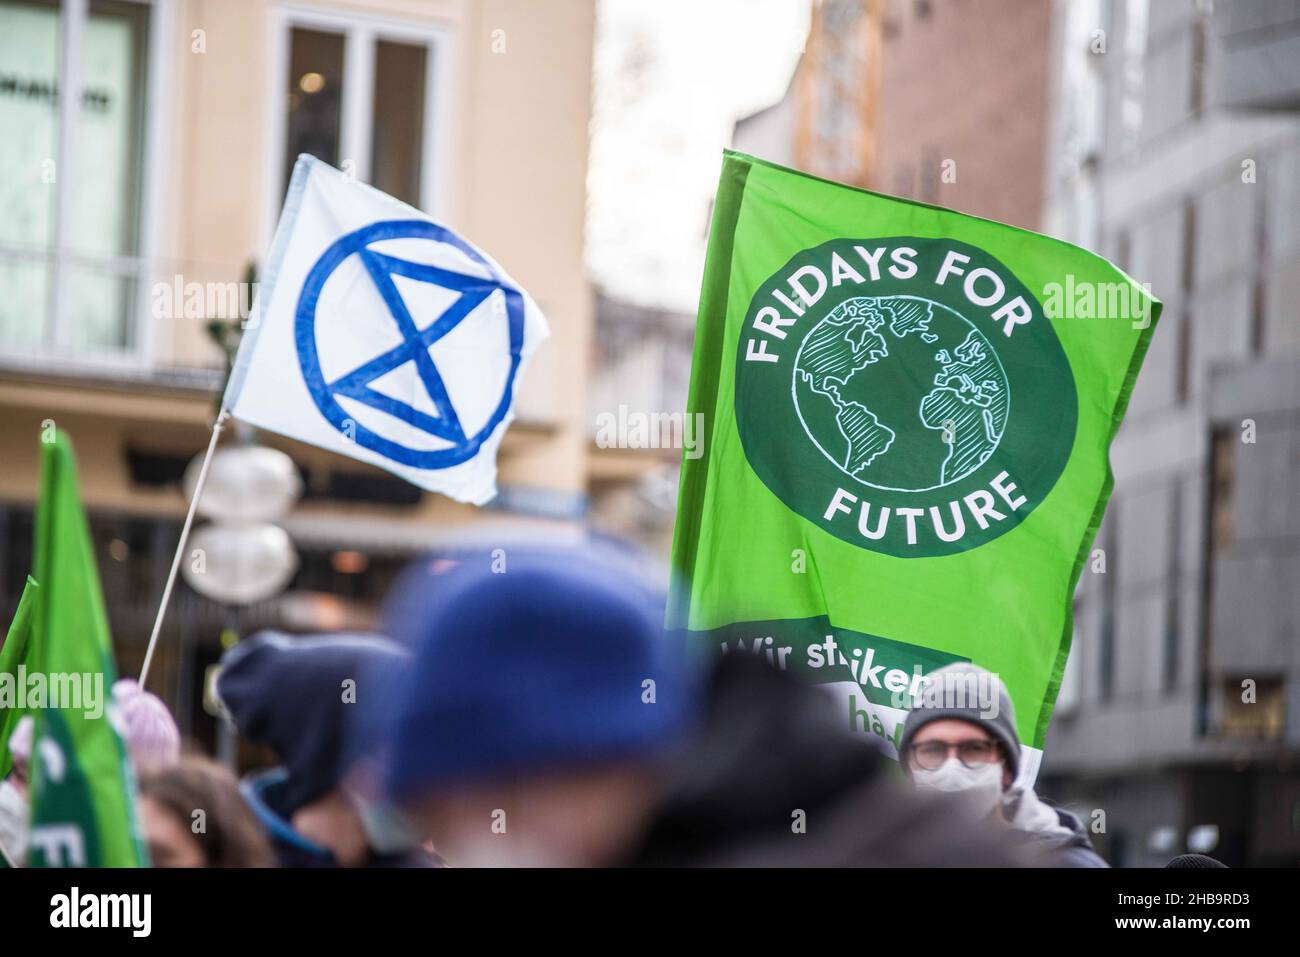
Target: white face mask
[(13, 823), (980, 787)]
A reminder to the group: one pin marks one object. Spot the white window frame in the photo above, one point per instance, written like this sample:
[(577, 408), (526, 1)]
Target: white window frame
[(360, 34), (139, 352)]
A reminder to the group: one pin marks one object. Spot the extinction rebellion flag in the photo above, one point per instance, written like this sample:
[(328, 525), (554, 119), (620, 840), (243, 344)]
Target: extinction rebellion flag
[(907, 413), (83, 807), (381, 334)]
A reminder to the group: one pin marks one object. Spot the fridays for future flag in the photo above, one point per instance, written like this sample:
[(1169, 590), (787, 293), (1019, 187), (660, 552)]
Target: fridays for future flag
[(380, 334), (83, 810), (907, 414), (12, 654)]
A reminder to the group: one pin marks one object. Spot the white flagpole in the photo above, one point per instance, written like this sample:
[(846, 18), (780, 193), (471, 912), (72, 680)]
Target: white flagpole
[(180, 546)]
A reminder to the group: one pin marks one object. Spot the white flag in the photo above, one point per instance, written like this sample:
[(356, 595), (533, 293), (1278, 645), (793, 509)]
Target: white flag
[(380, 334)]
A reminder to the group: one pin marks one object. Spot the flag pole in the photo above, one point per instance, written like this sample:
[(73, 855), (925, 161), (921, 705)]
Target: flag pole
[(180, 545)]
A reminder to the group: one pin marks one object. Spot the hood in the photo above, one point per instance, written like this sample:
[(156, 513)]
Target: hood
[(265, 795), (1050, 835), (297, 696)]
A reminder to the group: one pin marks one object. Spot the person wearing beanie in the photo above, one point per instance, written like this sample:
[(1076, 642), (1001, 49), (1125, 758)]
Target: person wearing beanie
[(152, 738), (541, 692), (300, 697), (960, 738), (547, 719)]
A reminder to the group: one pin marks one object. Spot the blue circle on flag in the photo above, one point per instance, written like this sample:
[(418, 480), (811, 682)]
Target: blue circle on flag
[(414, 347)]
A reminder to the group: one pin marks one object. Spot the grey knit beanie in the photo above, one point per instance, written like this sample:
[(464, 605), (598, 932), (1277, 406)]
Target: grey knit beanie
[(964, 692)]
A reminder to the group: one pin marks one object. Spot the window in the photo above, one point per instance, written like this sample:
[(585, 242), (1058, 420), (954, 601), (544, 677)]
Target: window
[(72, 170), (1259, 283), (1106, 634), (1173, 592), (314, 103), (1133, 79), (398, 119), (360, 95), (1198, 64), (1189, 280), (1223, 443), (1252, 708)]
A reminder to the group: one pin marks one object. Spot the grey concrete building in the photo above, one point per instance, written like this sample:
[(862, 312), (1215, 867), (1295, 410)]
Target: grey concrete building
[(1174, 149)]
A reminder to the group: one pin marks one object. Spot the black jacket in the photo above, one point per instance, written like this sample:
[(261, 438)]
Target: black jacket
[(1071, 849), (774, 777)]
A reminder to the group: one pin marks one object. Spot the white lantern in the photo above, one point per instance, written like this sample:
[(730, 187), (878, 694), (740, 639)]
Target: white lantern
[(246, 483), (239, 564)]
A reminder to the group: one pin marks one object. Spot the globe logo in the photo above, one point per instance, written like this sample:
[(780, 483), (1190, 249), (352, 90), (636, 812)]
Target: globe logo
[(900, 393), (873, 394)]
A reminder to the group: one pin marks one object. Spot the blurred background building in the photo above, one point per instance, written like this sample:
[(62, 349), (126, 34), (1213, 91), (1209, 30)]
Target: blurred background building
[(1176, 153), (1164, 134), (167, 168), (641, 363)]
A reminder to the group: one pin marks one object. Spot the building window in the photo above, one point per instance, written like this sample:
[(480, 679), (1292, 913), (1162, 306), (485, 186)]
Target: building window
[(1252, 708), (1173, 592), (834, 137), (1198, 66), (1260, 268), (71, 173), (1106, 634), (1223, 444), (359, 94), (1131, 88), (398, 113), (1189, 279), (314, 101)]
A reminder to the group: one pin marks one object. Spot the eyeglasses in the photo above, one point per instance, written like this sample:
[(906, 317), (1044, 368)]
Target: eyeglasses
[(930, 755)]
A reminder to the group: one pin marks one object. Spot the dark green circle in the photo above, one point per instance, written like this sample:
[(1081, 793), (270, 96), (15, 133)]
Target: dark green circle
[(1039, 419)]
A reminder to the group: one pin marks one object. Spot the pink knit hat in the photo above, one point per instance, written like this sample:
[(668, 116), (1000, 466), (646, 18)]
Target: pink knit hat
[(152, 737)]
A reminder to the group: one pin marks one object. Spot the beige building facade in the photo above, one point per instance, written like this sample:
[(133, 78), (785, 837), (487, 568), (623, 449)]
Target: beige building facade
[(132, 212)]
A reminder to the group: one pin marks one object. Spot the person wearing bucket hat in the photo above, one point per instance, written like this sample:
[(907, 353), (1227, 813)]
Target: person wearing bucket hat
[(960, 738)]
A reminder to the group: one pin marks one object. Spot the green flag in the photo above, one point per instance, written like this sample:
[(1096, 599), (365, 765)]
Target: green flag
[(12, 654), (907, 413), (83, 792)]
